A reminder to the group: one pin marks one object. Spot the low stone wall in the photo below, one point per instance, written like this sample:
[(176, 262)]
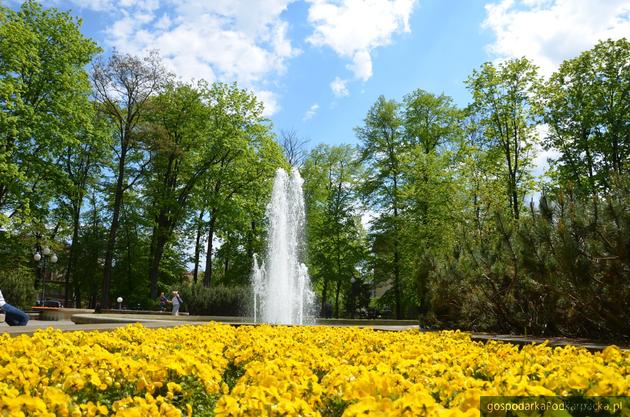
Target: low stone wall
[(59, 313), (367, 322), (133, 316), (148, 318), (153, 312)]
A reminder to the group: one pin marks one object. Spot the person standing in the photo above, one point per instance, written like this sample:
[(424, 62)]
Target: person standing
[(12, 315), (176, 301), (163, 301)]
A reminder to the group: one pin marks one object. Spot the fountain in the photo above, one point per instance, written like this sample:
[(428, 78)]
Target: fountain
[(280, 283)]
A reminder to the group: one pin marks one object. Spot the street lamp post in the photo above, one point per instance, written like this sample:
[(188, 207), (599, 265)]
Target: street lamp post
[(45, 258)]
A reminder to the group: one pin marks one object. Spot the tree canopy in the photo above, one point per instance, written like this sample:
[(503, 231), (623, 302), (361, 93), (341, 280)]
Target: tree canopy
[(140, 182)]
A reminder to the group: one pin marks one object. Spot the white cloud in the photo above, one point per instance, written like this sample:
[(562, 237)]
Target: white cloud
[(219, 40), (354, 28), (270, 101), (550, 31), (111, 5), (310, 112), (339, 87), (95, 5)]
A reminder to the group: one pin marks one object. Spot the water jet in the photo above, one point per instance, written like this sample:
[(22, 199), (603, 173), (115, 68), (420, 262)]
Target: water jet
[(280, 282)]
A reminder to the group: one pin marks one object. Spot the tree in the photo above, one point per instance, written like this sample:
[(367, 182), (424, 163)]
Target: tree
[(79, 167), (180, 155), (587, 108), (433, 133), (238, 206), (241, 132), (336, 239), (90, 252), (293, 147), (122, 86), (382, 145), (246, 199), (44, 91), (502, 98)]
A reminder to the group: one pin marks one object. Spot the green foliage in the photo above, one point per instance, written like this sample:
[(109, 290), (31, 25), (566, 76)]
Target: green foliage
[(336, 239), (44, 92), (586, 107), (217, 300), (194, 393), (411, 150), (433, 130), (334, 406), (553, 273), (503, 101), (121, 188), (383, 143), (232, 374), (233, 195), (16, 284)]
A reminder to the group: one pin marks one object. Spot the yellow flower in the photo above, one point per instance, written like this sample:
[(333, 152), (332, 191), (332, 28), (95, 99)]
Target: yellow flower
[(277, 370)]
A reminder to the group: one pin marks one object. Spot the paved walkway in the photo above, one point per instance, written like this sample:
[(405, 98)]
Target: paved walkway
[(69, 326), (36, 324)]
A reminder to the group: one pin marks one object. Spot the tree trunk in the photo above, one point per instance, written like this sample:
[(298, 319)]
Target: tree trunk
[(113, 230), (77, 293), (324, 297), (337, 291), (226, 262), (250, 240), (198, 245), (397, 294), (397, 280), (515, 200), (129, 258), (339, 275), (207, 277), (162, 233), (72, 256), (155, 265)]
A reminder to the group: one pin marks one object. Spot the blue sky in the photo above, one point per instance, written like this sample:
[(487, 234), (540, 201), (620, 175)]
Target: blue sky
[(318, 65)]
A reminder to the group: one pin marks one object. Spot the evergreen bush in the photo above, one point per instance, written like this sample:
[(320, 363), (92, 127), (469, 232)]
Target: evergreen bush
[(218, 300)]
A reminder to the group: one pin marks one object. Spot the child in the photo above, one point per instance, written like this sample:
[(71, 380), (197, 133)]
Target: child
[(163, 301)]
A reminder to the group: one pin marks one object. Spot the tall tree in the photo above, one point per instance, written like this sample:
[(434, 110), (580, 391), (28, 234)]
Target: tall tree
[(433, 132), (587, 109), (236, 122), (44, 92), (180, 156), (503, 98), (336, 238), (122, 86), (245, 202), (189, 149), (382, 146), (238, 205), (80, 166), (294, 147)]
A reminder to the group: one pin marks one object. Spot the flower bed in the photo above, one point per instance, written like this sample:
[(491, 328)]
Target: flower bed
[(274, 370)]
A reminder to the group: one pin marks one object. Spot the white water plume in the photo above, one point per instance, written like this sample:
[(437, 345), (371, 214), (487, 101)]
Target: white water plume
[(281, 285)]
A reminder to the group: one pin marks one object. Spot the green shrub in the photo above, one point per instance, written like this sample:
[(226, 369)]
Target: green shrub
[(218, 300)]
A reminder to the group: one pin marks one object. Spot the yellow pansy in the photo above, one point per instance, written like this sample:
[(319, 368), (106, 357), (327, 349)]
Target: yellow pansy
[(276, 370)]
